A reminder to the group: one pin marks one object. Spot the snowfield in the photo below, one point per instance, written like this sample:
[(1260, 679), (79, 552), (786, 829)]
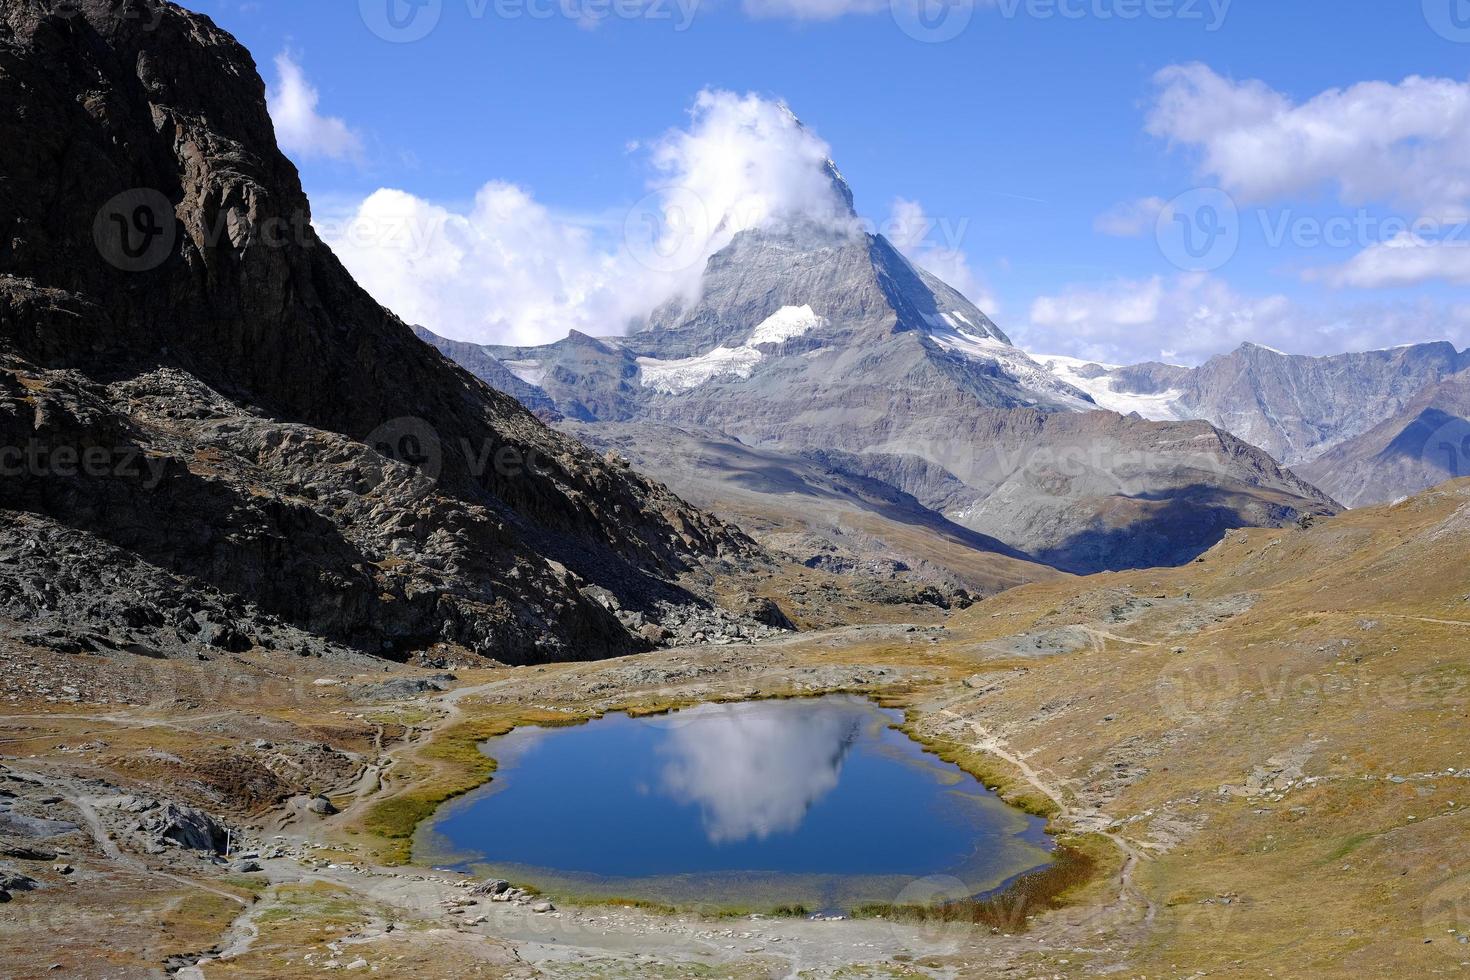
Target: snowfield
[(786, 323), (531, 372), (672, 377), (1162, 407), (954, 332)]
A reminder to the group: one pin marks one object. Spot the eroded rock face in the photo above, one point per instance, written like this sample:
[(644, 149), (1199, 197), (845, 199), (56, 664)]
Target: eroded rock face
[(189, 378), (1426, 444)]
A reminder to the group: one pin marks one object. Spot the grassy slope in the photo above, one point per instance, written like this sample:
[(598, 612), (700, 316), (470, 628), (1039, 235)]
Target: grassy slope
[(1311, 659)]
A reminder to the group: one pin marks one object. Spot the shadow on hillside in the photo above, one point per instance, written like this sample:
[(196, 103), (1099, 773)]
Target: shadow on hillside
[(1173, 528)]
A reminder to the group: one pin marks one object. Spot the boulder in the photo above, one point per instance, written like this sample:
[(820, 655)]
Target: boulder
[(13, 881), (654, 634), (495, 886), (187, 827), (762, 610), (321, 806)]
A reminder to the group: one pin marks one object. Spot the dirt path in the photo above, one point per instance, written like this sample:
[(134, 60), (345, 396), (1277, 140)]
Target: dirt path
[(1095, 821), (1098, 636), (93, 823), (1423, 619)]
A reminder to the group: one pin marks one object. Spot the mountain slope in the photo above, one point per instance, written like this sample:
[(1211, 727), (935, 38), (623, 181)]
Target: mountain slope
[(1276, 730), (812, 508), (255, 431), (1422, 446)]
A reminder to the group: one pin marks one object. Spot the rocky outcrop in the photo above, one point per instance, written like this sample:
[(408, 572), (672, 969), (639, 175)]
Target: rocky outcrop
[(186, 827), (196, 396)]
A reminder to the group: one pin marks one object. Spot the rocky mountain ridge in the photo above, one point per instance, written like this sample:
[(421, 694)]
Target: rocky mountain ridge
[(191, 384), (1319, 415), (1422, 446)]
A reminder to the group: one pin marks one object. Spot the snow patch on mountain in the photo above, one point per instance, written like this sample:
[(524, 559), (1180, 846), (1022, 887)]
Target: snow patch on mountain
[(673, 377), (955, 332), (783, 325), (1161, 407), (531, 372)]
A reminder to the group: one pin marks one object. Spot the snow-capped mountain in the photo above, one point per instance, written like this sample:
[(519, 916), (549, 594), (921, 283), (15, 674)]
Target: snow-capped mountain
[(807, 336), (793, 307)]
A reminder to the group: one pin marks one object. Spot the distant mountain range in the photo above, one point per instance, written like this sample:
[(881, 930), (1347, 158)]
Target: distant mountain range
[(1365, 428), (824, 343)]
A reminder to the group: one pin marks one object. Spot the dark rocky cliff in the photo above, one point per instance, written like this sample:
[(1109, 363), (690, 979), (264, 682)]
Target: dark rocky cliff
[(191, 384)]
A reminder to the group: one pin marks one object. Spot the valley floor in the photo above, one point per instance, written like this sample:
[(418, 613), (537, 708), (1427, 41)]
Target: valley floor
[(1266, 752)]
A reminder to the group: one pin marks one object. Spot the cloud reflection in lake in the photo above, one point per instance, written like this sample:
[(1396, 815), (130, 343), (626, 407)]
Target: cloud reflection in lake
[(755, 773)]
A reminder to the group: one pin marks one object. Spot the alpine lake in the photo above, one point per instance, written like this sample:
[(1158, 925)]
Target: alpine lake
[(819, 804)]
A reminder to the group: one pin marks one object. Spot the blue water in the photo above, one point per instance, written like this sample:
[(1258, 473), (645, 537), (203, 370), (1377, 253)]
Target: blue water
[(817, 800)]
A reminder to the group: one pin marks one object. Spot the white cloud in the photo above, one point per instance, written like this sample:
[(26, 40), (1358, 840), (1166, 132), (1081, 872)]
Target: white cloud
[(508, 270), (743, 162), (934, 245), (1190, 318), (1130, 218), (1406, 143), (300, 129), (1407, 260)]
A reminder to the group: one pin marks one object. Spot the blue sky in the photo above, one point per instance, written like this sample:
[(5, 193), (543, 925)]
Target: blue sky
[(1040, 146)]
